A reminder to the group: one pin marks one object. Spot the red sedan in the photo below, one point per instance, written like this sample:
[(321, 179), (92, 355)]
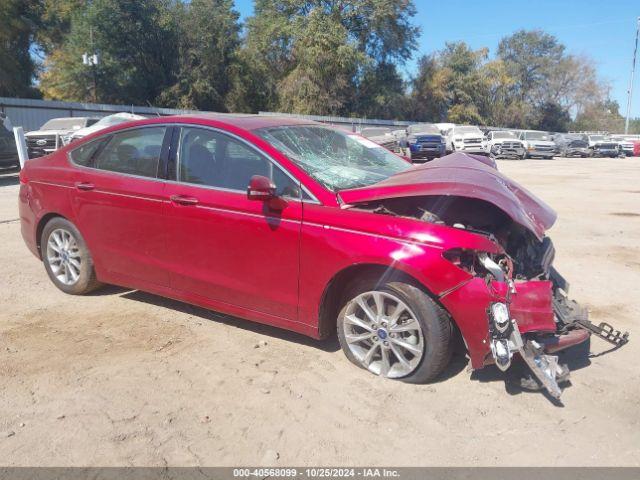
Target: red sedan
[(294, 224)]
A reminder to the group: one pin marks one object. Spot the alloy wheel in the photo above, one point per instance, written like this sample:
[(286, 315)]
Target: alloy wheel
[(63, 256), (383, 334)]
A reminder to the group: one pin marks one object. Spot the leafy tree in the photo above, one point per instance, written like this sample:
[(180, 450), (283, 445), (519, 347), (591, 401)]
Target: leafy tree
[(361, 35), (634, 126), (429, 91), (553, 118), (208, 43), (381, 93), (498, 103), (54, 21), (325, 63), (137, 46), (17, 68), (600, 116), (451, 85), (530, 57)]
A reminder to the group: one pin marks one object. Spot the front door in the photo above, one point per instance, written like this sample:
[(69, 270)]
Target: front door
[(223, 246)]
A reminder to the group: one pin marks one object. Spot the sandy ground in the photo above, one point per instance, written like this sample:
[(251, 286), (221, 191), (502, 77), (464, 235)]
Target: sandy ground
[(127, 378)]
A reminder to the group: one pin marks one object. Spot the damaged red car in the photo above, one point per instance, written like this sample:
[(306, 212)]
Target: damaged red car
[(294, 224)]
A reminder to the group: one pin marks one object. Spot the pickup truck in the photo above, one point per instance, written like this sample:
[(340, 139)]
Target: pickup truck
[(423, 142), (465, 138), (503, 144), (50, 136), (537, 144)]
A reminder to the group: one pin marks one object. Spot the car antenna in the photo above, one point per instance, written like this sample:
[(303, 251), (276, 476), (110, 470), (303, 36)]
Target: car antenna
[(156, 108)]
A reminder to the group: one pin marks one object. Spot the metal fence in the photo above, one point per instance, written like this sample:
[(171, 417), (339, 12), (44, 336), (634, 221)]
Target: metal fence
[(32, 114)]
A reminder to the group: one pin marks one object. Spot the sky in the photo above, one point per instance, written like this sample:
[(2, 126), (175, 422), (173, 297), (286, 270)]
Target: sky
[(602, 30)]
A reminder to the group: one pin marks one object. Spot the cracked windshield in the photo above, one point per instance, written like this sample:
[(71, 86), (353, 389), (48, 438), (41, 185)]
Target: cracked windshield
[(335, 159)]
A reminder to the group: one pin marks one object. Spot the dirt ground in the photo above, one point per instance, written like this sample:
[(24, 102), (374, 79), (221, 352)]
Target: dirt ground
[(127, 378)]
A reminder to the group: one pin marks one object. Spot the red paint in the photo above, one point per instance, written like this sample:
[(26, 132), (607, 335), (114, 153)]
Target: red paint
[(465, 176), (271, 262)]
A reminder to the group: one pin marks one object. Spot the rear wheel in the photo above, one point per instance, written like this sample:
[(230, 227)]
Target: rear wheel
[(66, 258), (395, 330)]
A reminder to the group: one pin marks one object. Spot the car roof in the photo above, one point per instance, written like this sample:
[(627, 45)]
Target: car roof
[(245, 121)]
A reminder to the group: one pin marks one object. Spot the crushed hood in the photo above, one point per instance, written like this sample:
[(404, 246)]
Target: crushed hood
[(462, 175)]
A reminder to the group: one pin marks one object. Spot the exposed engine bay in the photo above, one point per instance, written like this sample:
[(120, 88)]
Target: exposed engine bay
[(528, 262), (531, 258)]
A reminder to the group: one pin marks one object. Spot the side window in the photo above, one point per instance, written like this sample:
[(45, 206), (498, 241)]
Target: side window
[(207, 157), (135, 152), (83, 155)]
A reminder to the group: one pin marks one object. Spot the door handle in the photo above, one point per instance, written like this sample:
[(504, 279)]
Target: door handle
[(85, 186), (183, 200)]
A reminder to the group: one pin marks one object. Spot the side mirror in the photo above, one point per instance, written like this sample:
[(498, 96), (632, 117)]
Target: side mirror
[(260, 188)]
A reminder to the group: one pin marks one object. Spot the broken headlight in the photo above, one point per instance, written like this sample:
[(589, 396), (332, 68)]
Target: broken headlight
[(500, 316), (476, 263)]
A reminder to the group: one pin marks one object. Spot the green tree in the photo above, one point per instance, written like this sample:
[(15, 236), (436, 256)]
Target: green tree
[(137, 46), (289, 40), (428, 98), (498, 103), (320, 83), (17, 29), (600, 116), (530, 57), (451, 86), (54, 21), (208, 44), (552, 117), (380, 93)]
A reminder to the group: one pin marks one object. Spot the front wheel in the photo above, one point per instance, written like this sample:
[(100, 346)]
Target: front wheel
[(394, 330), (66, 258)]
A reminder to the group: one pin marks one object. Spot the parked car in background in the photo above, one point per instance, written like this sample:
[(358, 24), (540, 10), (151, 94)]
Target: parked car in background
[(625, 144), (503, 144), (605, 147), (49, 137), (465, 138), (594, 138), (104, 122), (572, 145), (290, 223), (537, 144), (8, 151), (423, 142)]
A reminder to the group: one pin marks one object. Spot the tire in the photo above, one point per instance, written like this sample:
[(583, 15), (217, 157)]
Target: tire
[(524, 156), (428, 331), (70, 267)]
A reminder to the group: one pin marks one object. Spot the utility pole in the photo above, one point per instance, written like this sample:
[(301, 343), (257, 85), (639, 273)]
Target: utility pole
[(633, 68), (91, 59)]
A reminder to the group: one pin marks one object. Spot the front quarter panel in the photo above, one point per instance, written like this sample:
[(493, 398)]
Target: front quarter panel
[(334, 239)]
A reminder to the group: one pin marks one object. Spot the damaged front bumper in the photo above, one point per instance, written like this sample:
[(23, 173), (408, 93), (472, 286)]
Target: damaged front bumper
[(532, 319)]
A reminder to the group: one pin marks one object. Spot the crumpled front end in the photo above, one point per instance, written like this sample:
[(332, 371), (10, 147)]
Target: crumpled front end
[(500, 318), (514, 302)]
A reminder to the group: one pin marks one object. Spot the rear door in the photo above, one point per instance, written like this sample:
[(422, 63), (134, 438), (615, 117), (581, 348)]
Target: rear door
[(118, 204), (223, 246)]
